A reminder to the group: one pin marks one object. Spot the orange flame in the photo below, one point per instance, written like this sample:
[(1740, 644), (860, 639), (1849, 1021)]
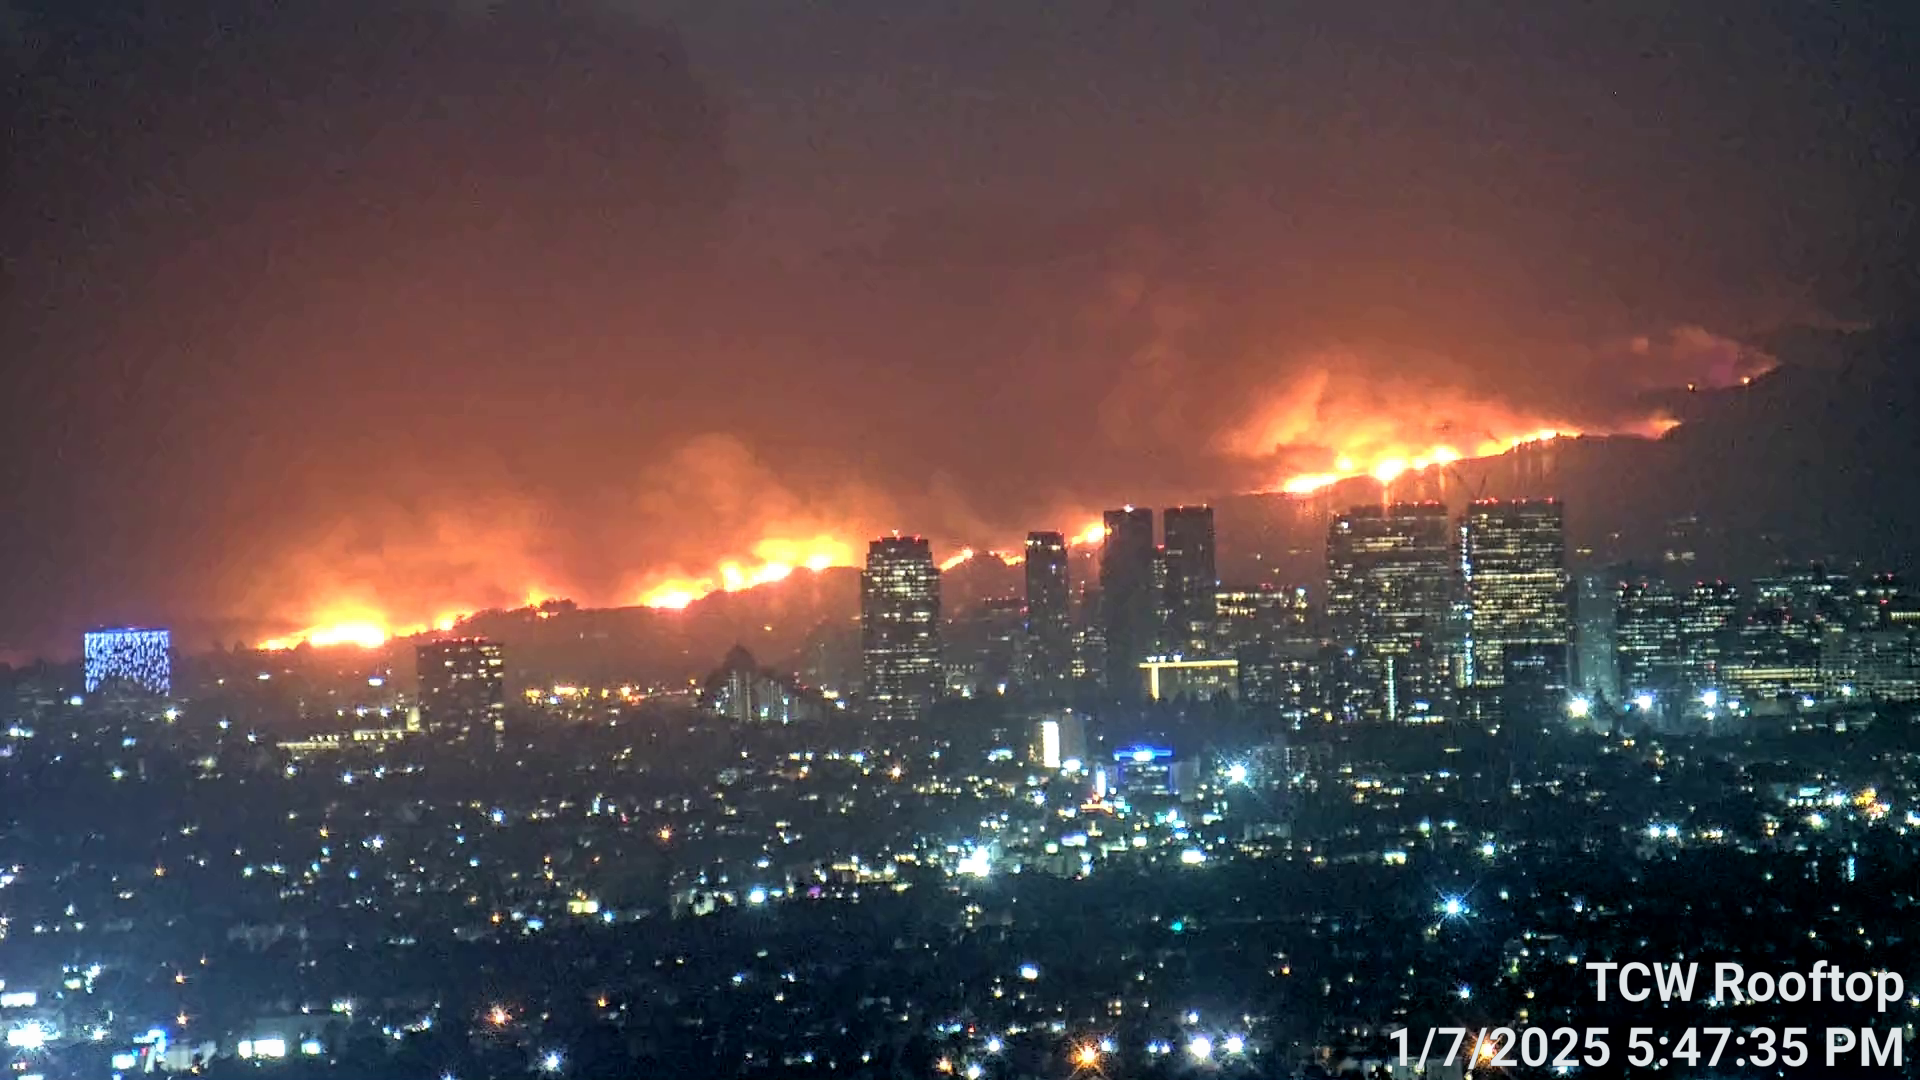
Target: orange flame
[(775, 560), (361, 626), (1095, 533), (1386, 465), (956, 559)]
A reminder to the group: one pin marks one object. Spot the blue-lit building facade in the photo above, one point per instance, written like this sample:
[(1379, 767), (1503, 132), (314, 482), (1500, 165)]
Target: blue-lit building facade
[(129, 656)]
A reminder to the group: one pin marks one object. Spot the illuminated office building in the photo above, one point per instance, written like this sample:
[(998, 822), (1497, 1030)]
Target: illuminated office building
[(1646, 638), (900, 628), (462, 690), (1513, 564), (1596, 670), (1709, 618), (1389, 597), (1049, 633), (1127, 604), (1059, 738), (128, 657), (1191, 579)]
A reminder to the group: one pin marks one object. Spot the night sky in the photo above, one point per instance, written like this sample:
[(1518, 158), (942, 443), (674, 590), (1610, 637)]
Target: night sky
[(432, 302)]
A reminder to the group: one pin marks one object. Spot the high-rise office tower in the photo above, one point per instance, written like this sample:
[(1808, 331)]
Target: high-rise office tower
[(1127, 598), (462, 689), (1191, 581), (130, 657), (1596, 669), (1390, 586), (1277, 615), (1049, 634), (900, 628), (1513, 564), (1646, 638), (1708, 623)]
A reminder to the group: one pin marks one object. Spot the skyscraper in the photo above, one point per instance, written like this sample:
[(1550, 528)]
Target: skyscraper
[(1127, 598), (1389, 593), (1646, 638), (1192, 579), (462, 689), (900, 628), (1708, 623), (128, 656), (1513, 563), (1597, 671), (1049, 634)]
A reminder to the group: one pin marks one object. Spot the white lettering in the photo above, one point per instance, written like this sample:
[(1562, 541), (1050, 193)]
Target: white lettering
[(1672, 987), (1874, 1053), (1600, 970), (1839, 1041), (1628, 969), (1726, 981), (1891, 988)]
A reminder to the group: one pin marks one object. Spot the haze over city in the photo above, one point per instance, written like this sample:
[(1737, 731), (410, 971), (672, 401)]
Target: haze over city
[(381, 312), (896, 540)]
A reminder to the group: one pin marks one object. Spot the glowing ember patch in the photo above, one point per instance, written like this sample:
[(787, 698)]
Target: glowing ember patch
[(774, 560), (956, 559), (364, 634), (1095, 533), (669, 596), (1387, 465)]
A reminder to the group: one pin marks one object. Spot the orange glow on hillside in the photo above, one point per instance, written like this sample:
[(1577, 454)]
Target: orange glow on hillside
[(1095, 533), (773, 560), (1385, 463), (956, 559), (359, 626)]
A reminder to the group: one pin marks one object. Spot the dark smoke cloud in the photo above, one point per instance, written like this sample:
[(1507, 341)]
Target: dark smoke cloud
[(432, 303)]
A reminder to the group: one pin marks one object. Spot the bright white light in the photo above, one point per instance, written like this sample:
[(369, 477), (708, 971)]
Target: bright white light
[(1643, 702), (1237, 773), (1465, 992), (1158, 1047), (977, 862), (756, 895), (1487, 849), (551, 1061), (1579, 708), (1030, 972), (1672, 832), (270, 1048), (974, 1071), (1200, 1047), (1453, 907), (1193, 856), (1234, 1044), (994, 1045), (311, 1047), (1106, 1045), (1710, 698), (125, 1061), (28, 1036), (1142, 756)]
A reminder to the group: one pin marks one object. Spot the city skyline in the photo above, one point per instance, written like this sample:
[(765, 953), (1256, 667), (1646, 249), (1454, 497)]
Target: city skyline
[(904, 540), (232, 388)]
